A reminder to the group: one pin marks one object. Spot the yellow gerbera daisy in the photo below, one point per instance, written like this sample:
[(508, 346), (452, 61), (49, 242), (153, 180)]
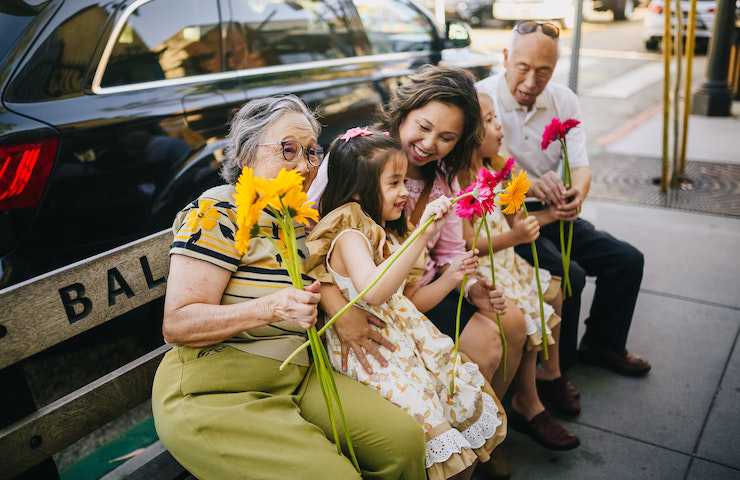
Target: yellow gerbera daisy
[(296, 201), (205, 216), (515, 193), (248, 207), (286, 181)]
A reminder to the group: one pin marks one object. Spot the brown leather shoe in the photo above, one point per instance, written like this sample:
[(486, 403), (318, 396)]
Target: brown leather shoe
[(543, 429), (626, 363), (560, 395)]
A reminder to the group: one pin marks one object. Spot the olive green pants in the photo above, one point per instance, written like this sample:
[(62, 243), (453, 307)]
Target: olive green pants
[(227, 414)]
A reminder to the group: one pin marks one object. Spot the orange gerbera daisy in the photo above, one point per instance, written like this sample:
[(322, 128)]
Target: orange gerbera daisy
[(515, 193)]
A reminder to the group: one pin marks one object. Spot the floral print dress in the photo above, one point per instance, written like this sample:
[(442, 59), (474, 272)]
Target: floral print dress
[(459, 429), (518, 281)]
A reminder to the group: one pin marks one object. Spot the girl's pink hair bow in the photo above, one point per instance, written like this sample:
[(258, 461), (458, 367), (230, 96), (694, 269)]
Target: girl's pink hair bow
[(356, 132)]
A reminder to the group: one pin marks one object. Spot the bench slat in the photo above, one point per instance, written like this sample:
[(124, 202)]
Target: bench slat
[(59, 424), (46, 310), (154, 463)]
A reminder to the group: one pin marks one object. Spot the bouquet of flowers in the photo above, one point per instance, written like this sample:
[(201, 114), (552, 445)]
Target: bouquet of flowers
[(283, 197), (558, 130), (477, 206)]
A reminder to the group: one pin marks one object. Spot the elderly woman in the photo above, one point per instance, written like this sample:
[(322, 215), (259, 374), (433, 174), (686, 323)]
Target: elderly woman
[(220, 404)]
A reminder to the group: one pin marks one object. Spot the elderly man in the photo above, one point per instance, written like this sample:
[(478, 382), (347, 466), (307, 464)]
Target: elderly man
[(526, 101)]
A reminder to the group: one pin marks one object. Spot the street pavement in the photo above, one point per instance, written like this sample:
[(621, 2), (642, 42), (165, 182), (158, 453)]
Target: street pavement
[(683, 419)]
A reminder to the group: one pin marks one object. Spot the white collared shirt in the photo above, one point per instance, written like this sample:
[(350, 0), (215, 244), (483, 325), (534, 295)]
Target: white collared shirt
[(523, 128)]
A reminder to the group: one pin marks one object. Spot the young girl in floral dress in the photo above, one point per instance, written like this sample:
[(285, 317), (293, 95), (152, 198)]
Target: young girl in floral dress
[(363, 202), (517, 278)]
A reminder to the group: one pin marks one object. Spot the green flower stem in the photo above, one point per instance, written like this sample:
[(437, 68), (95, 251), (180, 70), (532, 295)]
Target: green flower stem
[(342, 416), (404, 246), (504, 346), (567, 254), (539, 293), (457, 334), (565, 257), (318, 352), (565, 249), (323, 382)]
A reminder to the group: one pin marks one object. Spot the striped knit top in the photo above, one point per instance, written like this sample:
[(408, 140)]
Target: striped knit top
[(205, 230)]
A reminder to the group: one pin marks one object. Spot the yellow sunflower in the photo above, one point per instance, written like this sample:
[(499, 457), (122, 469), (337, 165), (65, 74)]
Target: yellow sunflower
[(248, 207), (274, 189), (515, 193), (205, 216), (296, 201)]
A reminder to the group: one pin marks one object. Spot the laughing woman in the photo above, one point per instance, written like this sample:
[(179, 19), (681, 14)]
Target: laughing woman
[(220, 404)]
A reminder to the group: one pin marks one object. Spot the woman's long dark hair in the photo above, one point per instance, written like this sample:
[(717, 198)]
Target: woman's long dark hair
[(451, 86), (354, 173)]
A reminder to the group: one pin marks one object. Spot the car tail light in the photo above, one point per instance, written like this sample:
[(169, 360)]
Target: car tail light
[(655, 8), (712, 10), (24, 170)]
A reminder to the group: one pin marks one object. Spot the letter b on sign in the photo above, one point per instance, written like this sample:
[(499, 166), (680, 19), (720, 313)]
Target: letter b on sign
[(76, 304)]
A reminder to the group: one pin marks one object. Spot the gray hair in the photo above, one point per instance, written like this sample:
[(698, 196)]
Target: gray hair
[(248, 126)]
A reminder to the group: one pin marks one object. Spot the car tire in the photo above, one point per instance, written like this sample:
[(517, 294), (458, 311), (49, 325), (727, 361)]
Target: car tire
[(623, 9), (652, 44)]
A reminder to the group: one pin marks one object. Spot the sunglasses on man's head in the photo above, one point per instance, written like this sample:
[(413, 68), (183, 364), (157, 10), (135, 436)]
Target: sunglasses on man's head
[(530, 26)]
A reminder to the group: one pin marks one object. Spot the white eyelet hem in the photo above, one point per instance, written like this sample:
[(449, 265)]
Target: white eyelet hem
[(440, 448), (486, 425)]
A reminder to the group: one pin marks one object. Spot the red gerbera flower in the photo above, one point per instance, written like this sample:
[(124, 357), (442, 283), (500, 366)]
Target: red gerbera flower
[(505, 172), (567, 125), (557, 130), (468, 206), (486, 182), (551, 133)]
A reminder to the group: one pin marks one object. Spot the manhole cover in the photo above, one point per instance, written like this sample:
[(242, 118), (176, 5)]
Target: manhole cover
[(706, 187)]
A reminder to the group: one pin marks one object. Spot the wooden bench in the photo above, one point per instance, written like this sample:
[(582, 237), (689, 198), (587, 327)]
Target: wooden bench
[(43, 314)]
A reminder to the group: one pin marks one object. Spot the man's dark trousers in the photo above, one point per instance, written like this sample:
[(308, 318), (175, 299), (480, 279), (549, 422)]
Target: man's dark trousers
[(617, 266)]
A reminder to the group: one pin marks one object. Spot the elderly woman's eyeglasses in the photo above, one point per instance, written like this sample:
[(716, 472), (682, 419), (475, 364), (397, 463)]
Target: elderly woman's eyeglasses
[(530, 26), (314, 154)]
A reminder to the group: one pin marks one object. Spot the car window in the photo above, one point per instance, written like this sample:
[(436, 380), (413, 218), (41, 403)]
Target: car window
[(166, 39), (278, 32), (13, 21), (394, 26), (60, 64)]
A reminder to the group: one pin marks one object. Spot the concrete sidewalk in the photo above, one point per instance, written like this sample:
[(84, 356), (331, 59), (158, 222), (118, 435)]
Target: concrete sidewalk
[(682, 420), (710, 139)]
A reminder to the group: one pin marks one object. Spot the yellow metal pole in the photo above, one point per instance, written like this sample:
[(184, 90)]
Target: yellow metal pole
[(666, 91), (690, 47), (678, 50)]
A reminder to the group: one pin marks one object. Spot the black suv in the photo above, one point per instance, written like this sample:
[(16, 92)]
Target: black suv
[(113, 113)]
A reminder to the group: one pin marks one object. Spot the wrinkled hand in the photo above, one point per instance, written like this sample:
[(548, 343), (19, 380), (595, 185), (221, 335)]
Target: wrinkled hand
[(464, 265), (549, 188), (355, 334), (570, 210), (438, 209), (296, 306), (525, 229), (486, 298)]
